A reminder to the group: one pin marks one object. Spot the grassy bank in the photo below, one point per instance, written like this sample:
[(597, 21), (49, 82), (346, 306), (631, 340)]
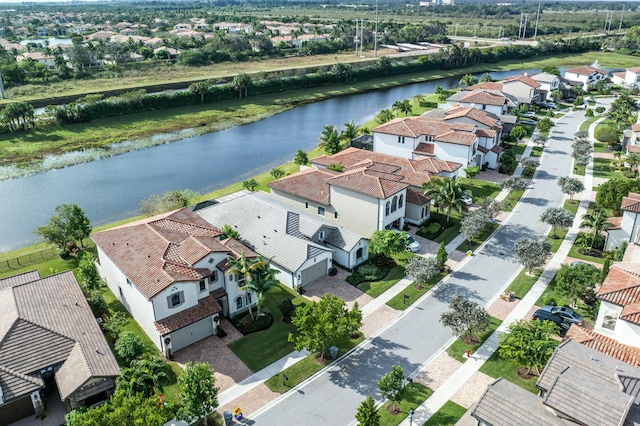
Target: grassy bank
[(33, 146)]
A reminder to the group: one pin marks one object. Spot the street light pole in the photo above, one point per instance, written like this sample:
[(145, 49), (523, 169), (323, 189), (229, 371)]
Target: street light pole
[(375, 36), (411, 413)]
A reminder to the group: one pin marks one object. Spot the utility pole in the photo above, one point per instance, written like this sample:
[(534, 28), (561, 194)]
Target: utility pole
[(621, 15), (1, 87), (356, 36), (520, 27), (361, 35), (535, 33), (524, 30), (375, 40)]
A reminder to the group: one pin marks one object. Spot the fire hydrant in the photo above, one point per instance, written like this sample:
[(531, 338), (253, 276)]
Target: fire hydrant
[(468, 353)]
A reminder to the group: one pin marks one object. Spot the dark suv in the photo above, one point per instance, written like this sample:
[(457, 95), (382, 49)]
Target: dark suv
[(543, 315)]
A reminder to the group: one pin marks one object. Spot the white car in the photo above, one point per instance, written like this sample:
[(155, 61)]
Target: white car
[(528, 122), (467, 200), (529, 114)]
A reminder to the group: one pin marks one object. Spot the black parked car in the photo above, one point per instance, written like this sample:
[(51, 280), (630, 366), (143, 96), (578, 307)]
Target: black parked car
[(544, 315)]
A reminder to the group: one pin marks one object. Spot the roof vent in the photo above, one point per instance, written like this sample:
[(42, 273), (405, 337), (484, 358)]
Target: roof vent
[(126, 244), (148, 256), (98, 351), (258, 216), (77, 304)]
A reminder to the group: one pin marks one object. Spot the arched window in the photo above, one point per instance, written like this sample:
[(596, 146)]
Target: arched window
[(400, 201), (248, 298), (394, 204), (386, 210), (239, 302)]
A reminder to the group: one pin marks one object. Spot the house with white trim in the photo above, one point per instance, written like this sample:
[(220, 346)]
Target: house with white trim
[(521, 87), (587, 75), (493, 101), (627, 228), (374, 191), (169, 273), (548, 83), (301, 245), (628, 78)]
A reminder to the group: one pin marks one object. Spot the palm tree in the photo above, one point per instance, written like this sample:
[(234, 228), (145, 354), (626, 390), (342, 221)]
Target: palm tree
[(405, 106), (241, 83), (244, 269), (633, 159), (397, 107), (446, 193), (350, 131), (618, 156), (434, 188), (263, 277), (597, 222), (328, 132), (144, 376)]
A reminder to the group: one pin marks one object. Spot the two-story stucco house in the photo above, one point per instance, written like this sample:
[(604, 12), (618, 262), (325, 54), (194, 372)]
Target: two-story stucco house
[(412, 137), (587, 75), (628, 78), (489, 130), (301, 245), (548, 83), (169, 273), (521, 87), (39, 57), (492, 101), (374, 191), (625, 228)]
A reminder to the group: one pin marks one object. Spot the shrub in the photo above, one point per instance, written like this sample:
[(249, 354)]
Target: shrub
[(368, 271), (431, 230), (247, 325), (607, 134), (97, 303), (333, 271), (287, 309), (129, 346)]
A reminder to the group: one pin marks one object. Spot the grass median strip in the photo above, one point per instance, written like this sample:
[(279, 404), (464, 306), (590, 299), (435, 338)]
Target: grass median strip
[(458, 348), (306, 368), (497, 367), (414, 395), (448, 415), (412, 293), (523, 282)]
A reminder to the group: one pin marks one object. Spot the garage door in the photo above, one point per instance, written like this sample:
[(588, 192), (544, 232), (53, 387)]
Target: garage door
[(15, 411), (191, 333), (314, 271)]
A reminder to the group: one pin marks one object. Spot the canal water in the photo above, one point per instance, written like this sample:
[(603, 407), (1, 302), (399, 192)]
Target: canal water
[(111, 189)]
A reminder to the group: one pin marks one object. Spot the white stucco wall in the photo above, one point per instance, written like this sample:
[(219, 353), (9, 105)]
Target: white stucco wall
[(348, 258), (625, 332), (414, 213), (356, 212), (388, 144), (453, 152), (519, 90)]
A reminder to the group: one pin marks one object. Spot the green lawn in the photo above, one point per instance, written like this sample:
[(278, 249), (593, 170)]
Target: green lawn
[(480, 188), (512, 199), (413, 293), (458, 348), (605, 168), (522, 283), (551, 296), (518, 148), (476, 242), (305, 368), (497, 367), (448, 415), (588, 122), (536, 151), (556, 242), (572, 206), (414, 395), (376, 288), (576, 254), (600, 147), (258, 350), (579, 170)]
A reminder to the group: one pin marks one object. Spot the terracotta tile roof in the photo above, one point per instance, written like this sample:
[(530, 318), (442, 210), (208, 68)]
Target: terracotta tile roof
[(604, 344), (497, 149), (483, 97), (417, 197), (206, 307), (457, 138), (634, 69), (631, 203), (585, 70), (482, 149), (155, 252), (633, 148), (369, 183), (488, 85), (483, 117), (622, 287), (636, 127), (415, 127), (616, 222), (425, 148), (523, 79), (310, 183), (621, 74), (487, 133)]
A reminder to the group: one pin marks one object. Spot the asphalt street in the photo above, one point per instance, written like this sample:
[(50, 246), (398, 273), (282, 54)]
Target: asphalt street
[(332, 398)]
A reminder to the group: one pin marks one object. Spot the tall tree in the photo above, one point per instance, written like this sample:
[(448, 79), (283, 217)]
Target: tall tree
[(262, 279), (422, 269), (367, 415), (473, 224), (446, 193), (465, 318), (198, 392), (321, 324), (387, 242), (633, 160), (577, 281), (529, 343), (350, 131), (597, 222), (241, 83), (391, 385), (570, 186), (243, 268), (468, 80), (513, 183), (301, 158), (531, 253), (557, 217), (69, 224), (144, 376)]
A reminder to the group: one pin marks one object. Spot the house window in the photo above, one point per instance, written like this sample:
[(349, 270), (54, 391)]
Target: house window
[(400, 201), (484, 106), (203, 285), (400, 139), (335, 215), (175, 299), (610, 319), (320, 210), (428, 138), (248, 297), (359, 253), (239, 302), (120, 291), (306, 204), (386, 209), (422, 214), (128, 281), (213, 277), (394, 204)]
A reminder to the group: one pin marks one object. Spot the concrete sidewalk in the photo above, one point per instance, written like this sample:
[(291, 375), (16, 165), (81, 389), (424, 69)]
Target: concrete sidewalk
[(477, 359)]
